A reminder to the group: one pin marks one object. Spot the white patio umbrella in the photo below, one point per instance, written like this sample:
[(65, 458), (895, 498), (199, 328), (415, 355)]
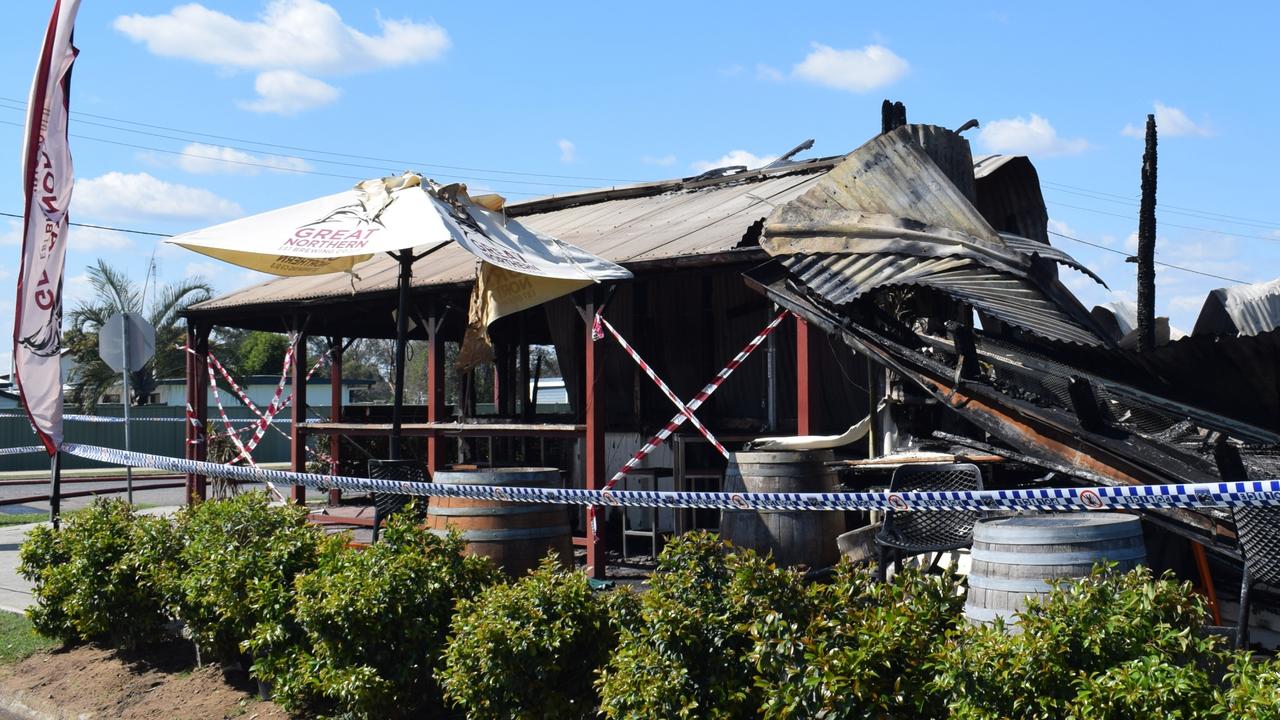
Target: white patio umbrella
[(394, 215)]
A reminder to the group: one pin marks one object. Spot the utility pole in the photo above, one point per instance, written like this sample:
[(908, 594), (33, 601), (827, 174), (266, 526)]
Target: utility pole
[(1147, 244)]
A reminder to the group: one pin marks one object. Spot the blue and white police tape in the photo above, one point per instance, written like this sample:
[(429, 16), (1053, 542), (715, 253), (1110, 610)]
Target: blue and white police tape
[(1220, 494), (24, 450)]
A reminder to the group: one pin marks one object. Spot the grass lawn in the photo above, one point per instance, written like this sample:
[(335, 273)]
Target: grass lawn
[(17, 640), (7, 519)]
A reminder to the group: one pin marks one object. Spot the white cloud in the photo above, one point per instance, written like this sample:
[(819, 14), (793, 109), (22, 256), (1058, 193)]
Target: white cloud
[(768, 72), (661, 160), (1061, 228), (12, 234), (84, 238), (858, 71), (206, 270), (288, 92), (1187, 303), (735, 157), (568, 153), (76, 291), (290, 34), (202, 159), (1036, 136), (1170, 122), (131, 196)]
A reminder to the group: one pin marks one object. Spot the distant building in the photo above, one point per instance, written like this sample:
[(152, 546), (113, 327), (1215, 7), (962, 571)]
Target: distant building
[(259, 388)]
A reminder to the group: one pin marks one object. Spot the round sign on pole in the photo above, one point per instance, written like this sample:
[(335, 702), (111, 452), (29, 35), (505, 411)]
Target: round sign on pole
[(111, 341)]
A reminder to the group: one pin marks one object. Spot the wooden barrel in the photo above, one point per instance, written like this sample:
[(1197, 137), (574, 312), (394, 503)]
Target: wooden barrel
[(515, 535), (795, 537), (1015, 557)]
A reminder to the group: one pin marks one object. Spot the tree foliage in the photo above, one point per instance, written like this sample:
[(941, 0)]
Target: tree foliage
[(115, 292)]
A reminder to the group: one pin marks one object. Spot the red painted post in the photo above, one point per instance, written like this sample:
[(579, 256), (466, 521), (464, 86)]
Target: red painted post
[(335, 411), (805, 406), (435, 394), (593, 398), (298, 413)]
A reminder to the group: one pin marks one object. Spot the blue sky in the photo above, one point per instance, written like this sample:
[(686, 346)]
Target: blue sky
[(601, 93)]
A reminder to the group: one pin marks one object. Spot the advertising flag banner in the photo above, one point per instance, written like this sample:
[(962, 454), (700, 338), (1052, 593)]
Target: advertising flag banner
[(47, 182)]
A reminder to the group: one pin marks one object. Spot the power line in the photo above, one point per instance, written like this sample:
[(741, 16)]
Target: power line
[(1163, 264), (1169, 224), (1266, 224), (298, 171), (402, 163), (100, 227)]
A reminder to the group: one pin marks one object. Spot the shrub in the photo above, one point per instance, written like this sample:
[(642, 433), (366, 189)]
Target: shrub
[(372, 625), (239, 557), (101, 577), (865, 651), (1099, 638), (1253, 689), (687, 655), (531, 649)]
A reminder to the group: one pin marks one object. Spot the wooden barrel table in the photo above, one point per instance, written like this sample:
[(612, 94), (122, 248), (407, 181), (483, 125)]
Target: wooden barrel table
[(795, 537), (515, 535), (1014, 558)]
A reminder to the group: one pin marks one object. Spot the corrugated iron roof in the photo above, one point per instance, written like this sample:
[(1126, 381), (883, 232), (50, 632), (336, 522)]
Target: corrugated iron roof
[(842, 278), (628, 225), (1240, 310)]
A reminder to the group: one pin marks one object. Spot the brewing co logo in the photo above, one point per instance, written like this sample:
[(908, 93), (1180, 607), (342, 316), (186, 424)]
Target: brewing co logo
[(1090, 499)]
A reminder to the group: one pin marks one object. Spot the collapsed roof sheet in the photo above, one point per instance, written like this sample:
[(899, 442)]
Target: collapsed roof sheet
[(842, 278), (1240, 310), (889, 215)]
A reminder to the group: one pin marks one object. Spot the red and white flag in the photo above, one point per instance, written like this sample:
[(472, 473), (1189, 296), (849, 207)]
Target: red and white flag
[(46, 180)]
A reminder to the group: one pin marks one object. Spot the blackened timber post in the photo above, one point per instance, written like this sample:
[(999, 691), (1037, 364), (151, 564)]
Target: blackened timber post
[(197, 407), (806, 408), (1147, 244)]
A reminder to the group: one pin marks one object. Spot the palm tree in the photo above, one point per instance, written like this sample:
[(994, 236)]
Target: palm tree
[(115, 292)]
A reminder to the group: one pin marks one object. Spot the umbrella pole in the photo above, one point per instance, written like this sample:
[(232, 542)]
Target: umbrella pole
[(402, 337)]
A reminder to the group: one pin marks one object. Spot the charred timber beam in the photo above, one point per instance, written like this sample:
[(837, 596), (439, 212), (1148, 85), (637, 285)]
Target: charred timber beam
[(1085, 403)]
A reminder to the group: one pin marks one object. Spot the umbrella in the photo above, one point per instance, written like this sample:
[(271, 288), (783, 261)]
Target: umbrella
[(394, 215)]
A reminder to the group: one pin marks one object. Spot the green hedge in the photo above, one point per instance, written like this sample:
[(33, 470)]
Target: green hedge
[(532, 649), (372, 625), (412, 628), (101, 577)]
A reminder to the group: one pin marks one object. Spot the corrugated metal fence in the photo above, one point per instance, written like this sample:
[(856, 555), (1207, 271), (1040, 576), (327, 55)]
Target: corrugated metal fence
[(158, 438)]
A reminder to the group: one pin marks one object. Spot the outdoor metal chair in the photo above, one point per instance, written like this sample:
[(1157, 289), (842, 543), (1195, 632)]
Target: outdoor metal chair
[(1258, 530), (387, 504), (907, 533)]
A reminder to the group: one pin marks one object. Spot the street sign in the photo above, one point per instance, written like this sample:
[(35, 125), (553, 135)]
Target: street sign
[(111, 341), (126, 340)]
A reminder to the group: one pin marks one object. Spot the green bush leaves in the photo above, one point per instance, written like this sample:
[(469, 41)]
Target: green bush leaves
[(410, 624), (531, 649), (101, 577)]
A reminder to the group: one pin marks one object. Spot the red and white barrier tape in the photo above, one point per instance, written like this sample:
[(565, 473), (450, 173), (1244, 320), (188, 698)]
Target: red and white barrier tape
[(680, 417), (685, 411)]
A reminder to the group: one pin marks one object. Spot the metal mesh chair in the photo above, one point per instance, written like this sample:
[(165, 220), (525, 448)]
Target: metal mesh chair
[(907, 533), (1258, 531), (387, 504)]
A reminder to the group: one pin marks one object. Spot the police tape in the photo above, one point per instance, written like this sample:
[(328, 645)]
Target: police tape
[(24, 450), (1129, 497)]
